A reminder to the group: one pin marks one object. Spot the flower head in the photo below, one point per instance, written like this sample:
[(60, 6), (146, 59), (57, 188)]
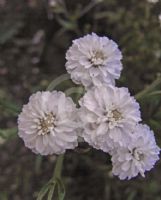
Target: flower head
[(93, 60), (139, 156), (107, 115), (47, 123)]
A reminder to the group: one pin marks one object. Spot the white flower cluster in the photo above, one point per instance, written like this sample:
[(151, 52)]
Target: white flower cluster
[(108, 117)]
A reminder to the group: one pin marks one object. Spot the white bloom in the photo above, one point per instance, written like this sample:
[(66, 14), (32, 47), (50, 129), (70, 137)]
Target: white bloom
[(139, 156), (93, 60), (153, 1), (47, 123), (107, 115)]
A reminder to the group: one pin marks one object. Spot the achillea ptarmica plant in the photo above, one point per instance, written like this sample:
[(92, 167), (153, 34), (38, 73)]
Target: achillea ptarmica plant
[(47, 123), (108, 118)]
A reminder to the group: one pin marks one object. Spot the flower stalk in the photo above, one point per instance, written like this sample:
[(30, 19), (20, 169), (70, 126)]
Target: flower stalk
[(58, 167), (54, 183), (149, 89)]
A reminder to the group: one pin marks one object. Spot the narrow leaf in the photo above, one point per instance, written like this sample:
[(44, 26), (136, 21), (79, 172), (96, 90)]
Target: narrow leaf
[(9, 106), (8, 133), (61, 190), (44, 191), (51, 191)]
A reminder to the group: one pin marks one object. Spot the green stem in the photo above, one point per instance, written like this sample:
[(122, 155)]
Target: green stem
[(50, 186), (148, 89), (58, 167)]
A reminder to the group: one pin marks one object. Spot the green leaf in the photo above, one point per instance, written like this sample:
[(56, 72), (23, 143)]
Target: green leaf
[(149, 89), (9, 133), (158, 115), (158, 92), (61, 189), (9, 29), (68, 25), (9, 106), (155, 124), (132, 195), (51, 191), (44, 191)]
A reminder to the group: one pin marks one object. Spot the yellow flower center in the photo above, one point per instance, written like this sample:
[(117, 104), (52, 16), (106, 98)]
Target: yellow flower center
[(46, 124), (97, 58), (138, 155), (116, 115)]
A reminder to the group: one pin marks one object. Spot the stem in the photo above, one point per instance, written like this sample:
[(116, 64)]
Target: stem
[(155, 93), (58, 167), (149, 88), (50, 186)]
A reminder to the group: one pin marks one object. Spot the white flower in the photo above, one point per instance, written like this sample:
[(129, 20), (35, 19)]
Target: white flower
[(139, 156), (47, 123), (107, 115), (93, 60), (153, 1)]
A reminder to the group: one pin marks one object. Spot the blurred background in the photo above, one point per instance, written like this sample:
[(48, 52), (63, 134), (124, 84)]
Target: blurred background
[(34, 37)]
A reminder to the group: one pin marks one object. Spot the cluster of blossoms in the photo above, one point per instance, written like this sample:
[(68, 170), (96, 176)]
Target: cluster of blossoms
[(108, 117)]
